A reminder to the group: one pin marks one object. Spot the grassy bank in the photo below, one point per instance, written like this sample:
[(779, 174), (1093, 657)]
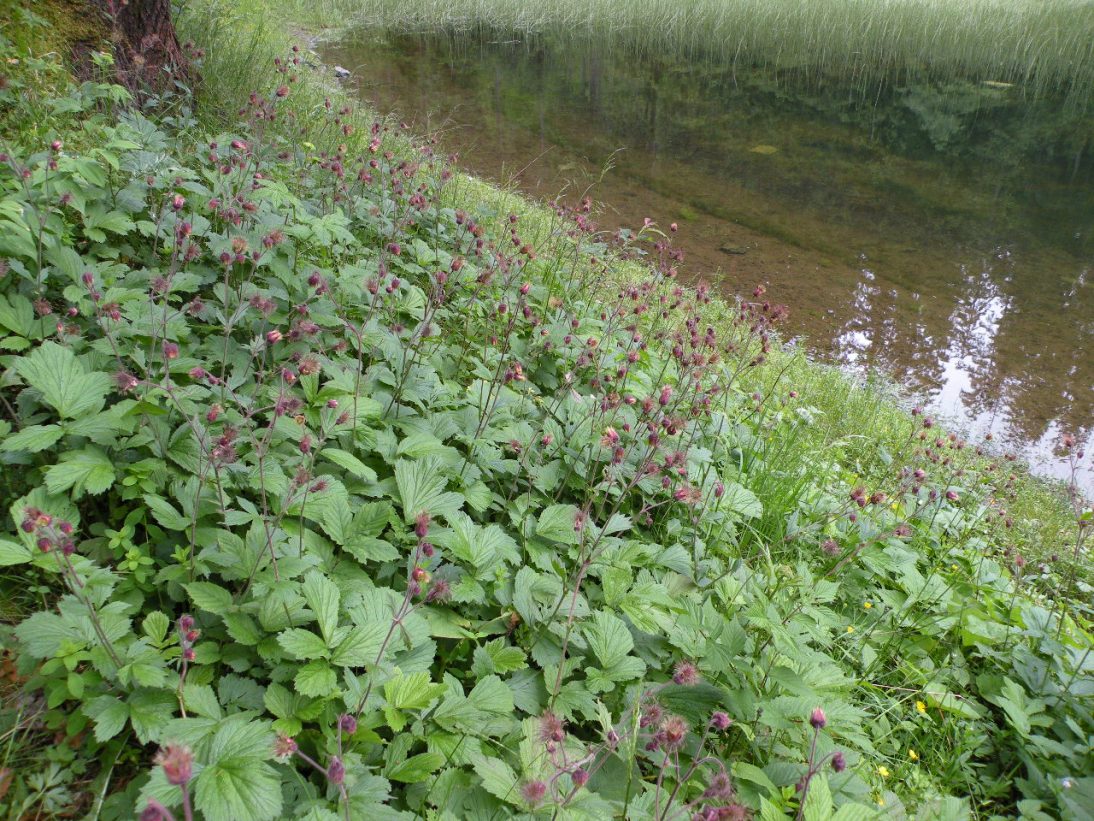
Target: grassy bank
[(385, 495)]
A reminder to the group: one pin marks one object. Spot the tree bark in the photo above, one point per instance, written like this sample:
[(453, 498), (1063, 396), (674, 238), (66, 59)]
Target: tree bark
[(147, 54)]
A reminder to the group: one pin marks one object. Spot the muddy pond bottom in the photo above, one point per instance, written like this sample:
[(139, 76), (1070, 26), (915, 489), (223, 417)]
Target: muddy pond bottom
[(940, 232)]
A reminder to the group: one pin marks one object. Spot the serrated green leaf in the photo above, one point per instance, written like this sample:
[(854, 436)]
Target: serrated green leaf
[(498, 779), (155, 626), (347, 460), (316, 679), (361, 645), (302, 644), (209, 597), (608, 638), (109, 714), (12, 553), (741, 501), (421, 486), (201, 700), (818, 801), (323, 598), (63, 381), (165, 513), (416, 768), (556, 523), (237, 784), (89, 469), (33, 438)]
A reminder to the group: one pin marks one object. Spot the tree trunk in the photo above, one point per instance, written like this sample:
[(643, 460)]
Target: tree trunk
[(147, 54)]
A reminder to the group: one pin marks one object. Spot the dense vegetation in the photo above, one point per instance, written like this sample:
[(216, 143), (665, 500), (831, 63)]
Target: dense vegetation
[(342, 487)]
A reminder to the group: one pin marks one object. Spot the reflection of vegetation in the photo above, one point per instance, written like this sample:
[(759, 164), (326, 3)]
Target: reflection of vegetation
[(1042, 44), (945, 155)]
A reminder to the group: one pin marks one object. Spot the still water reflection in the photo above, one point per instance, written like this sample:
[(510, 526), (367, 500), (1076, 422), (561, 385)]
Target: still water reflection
[(943, 232)]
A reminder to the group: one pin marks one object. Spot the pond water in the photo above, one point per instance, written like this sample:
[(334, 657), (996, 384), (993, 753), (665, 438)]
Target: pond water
[(942, 231)]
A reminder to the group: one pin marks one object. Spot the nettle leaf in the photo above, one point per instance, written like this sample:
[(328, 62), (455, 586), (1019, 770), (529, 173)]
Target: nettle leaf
[(64, 382), (89, 469), (323, 598), (237, 784), (421, 486), (303, 644), (556, 523)]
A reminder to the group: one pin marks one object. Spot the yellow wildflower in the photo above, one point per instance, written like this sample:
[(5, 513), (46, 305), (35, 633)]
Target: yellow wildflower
[(954, 568), (912, 754), (883, 771), (850, 629), (868, 604), (921, 707)]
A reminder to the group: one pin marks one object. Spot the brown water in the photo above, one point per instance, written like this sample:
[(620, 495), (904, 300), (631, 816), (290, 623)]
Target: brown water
[(942, 233)]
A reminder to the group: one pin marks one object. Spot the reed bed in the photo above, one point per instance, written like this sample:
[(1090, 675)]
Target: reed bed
[(1043, 45)]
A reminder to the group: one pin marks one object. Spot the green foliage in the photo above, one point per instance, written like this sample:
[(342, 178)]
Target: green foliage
[(380, 511)]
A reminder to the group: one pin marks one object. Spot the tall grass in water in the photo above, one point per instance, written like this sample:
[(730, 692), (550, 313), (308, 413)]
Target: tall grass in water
[(1041, 44)]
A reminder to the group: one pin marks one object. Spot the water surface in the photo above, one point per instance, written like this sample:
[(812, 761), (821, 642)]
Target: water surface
[(942, 231)]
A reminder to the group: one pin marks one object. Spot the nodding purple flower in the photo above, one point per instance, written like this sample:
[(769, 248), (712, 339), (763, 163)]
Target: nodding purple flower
[(952, 495), (186, 623), (719, 788), (347, 724), (550, 727), (177, 762), (178, 202), (720, 720), (284, 747), (839, 763), (686, 674), (533, 792), (336, 771), (439, 592), (154, 811), (421, 525), (817, 718), (170, 350), (673, 731), (273, 336)]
